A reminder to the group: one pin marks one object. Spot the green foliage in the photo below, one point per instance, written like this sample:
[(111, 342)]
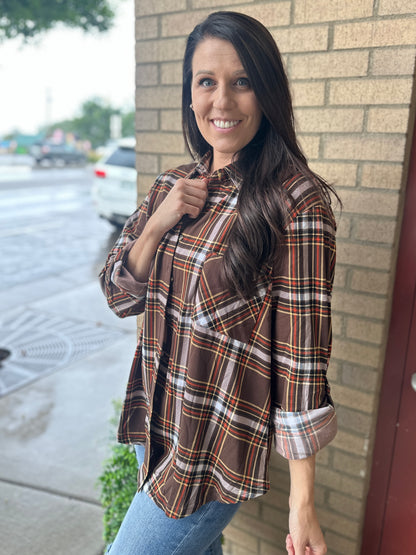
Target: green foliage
[(93, 157), (128, 124), (118, 484), (28, 18), (118, 487), (93, 123)]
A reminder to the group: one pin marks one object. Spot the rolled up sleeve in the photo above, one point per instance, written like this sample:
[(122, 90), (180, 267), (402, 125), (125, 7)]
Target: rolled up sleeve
[(299, 435), (125, 295), (123, 279), (303, 416)]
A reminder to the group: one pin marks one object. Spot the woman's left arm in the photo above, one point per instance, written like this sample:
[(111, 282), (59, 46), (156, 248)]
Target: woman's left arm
[(303, 415), (305, 535)]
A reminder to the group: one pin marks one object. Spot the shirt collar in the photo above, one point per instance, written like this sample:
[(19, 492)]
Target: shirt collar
[(226, 178)]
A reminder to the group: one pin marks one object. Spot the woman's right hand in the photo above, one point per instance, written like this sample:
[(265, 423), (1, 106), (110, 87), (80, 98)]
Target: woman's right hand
[(187, 196)]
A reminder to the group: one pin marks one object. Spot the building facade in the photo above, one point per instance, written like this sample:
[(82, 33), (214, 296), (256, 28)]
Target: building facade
[(351, 66)]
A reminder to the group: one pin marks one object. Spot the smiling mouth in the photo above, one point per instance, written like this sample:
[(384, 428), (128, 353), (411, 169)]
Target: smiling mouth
[(225, 124)]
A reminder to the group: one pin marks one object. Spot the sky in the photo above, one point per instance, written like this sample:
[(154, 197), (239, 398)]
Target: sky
[(67, 66)]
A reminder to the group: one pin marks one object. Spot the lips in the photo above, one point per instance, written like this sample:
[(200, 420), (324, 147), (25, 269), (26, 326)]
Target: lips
[(225, 124)]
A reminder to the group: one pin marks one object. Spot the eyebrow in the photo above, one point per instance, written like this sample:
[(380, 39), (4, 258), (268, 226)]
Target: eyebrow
[(207, 72)]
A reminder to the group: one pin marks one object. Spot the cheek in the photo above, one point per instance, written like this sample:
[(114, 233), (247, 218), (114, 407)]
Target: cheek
[(202, 124), (199, 104), (252, 107)]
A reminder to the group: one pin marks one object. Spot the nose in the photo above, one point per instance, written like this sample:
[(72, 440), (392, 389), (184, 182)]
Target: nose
[(223, 99)]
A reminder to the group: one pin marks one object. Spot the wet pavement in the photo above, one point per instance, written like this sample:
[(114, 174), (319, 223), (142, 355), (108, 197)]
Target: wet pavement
[(69, 359), (48, 226)]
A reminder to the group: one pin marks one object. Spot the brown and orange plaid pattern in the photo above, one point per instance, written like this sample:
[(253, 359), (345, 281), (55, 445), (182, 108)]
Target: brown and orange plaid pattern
[(216, 378)]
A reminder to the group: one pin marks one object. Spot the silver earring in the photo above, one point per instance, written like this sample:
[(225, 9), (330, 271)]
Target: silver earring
[(191, 106)]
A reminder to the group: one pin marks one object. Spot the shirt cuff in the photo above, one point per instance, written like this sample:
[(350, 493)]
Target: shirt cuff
[(299, 435), (123, 279)]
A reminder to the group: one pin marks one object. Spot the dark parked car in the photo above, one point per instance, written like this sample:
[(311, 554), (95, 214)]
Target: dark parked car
[(57, 155)]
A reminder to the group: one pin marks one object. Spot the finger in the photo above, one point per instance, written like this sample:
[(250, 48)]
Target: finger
[(300, 548), (193, 211), (186, 205), (196, 183), (289, 545), (186, 192), (197, 195), (183, 202), (199, 189), (193, 199), (201, 183)]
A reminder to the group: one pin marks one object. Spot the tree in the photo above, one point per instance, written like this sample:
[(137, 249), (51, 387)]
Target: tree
[(93, 123), (28, 18), (128, 124)]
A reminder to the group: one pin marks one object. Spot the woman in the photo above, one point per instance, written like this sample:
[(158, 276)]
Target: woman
[(231, 259)]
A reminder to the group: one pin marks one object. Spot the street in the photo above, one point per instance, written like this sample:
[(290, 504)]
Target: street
[(64, 358), (48, 225), (48, 232)]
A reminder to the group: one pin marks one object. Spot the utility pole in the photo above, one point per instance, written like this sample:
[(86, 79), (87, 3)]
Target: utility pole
[(48, 107), (115, 126)]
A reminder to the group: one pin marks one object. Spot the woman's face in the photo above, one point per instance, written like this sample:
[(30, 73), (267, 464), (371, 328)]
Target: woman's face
[(226, 109)]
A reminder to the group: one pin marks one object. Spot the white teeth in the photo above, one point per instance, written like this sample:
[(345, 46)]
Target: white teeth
[(224, 124)]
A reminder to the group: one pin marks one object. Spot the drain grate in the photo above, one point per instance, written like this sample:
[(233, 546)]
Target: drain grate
[(38, 344)]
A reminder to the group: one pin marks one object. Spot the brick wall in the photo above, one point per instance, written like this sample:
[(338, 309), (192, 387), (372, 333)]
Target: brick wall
[(351, 65)]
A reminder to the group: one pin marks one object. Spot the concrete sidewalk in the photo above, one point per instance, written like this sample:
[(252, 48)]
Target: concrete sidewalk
[(54, 428)]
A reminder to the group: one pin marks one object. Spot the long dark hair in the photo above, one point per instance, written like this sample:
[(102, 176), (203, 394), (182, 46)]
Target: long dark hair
[(267, 161)]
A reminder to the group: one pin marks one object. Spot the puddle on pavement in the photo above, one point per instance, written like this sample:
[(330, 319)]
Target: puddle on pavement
[(27, 416)]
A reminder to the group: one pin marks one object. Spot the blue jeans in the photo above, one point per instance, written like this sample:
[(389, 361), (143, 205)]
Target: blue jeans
[(146, 530)]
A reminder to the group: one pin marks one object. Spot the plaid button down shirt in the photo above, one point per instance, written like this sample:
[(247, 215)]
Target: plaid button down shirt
[(215, 378)]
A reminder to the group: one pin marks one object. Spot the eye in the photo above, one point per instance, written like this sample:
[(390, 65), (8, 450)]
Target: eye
[(243, 82), (206, 82)]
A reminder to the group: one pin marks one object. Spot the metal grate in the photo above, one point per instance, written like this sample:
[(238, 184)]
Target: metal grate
[(40, 344)]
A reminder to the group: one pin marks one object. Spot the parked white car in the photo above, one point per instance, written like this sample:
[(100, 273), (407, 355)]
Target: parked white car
[(114, 190)]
